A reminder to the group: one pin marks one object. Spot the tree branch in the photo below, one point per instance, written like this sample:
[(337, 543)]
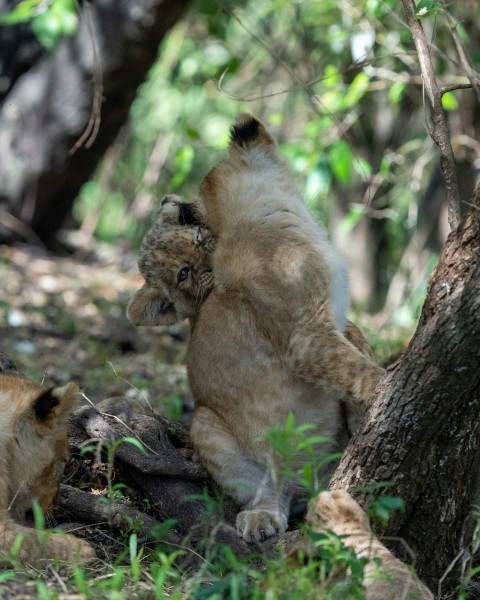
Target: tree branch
[(439, 133), (452, 88)]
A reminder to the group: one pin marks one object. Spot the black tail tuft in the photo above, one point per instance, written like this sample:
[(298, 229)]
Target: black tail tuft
[(245, 132)]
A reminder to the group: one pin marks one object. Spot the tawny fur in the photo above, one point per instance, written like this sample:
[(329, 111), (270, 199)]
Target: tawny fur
[(269, 332), (33, 453), (337, 511)]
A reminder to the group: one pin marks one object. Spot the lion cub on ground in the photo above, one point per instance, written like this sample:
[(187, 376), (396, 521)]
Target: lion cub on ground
[(337, 511), (268, 332), (33, 453)]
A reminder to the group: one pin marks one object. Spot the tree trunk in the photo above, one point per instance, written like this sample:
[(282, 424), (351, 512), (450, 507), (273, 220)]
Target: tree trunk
[(52, 103), (423, 433)]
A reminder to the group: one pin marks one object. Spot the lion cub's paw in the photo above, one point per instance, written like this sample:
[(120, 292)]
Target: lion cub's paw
[(260, 523), (336, 510)]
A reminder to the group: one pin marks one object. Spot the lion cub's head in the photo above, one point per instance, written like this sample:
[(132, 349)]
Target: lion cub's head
[(33, 441), (175, 261)]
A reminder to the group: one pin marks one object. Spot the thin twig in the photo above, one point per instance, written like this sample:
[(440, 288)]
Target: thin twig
[(462, 55), (91, 130), (451, 88), (314, 98)]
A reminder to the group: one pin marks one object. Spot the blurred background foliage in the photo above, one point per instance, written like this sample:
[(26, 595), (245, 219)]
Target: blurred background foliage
[(337, 82)]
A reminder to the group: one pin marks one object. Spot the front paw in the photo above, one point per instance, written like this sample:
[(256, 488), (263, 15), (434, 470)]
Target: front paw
[(258, 524)]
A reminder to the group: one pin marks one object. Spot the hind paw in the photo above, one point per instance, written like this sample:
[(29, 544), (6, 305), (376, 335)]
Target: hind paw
[(336, 511)]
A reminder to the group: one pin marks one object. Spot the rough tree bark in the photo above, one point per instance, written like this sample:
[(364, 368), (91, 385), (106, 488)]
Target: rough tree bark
[(423, 434), (49, 100)]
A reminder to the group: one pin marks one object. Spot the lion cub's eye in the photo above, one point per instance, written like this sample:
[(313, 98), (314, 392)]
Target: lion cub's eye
[(183, 274)]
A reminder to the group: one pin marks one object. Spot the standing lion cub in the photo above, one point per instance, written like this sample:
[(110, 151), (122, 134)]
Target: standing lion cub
[(268, 295), (33, 453)]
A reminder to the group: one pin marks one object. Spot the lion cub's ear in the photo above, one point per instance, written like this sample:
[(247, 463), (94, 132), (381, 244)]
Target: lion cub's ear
[(247, 134), (52, 408), (150, 306), (174, 211)]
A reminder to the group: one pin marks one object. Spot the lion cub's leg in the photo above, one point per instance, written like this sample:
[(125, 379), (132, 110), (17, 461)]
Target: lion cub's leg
[(244, 479), (356, 412), (355, 336), (36, 545), (337, 511), (318, 352), (43, 545)]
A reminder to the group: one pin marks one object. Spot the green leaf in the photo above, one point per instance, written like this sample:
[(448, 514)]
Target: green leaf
[(331, 76), (426, 8), (23, 12), (49, 21), (352, 218), (341, 161), (392, 502), (38, 516), (396, 91), (47, 26), (130, 440), (133, 546), (184, 163), (382, 507), (449, 102), (357, 89), (362, 167), (385, 166)]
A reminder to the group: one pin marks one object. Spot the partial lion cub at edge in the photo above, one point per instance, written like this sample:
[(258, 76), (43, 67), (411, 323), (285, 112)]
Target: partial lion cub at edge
[(268, 335), (33, 452), (337, 511)]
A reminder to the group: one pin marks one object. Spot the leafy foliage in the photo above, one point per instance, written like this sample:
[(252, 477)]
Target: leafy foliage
[(49, 20), (338, 88)]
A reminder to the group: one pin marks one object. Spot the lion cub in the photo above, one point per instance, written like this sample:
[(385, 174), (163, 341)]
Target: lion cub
[(268, 333), (337, 511), (33, 451)]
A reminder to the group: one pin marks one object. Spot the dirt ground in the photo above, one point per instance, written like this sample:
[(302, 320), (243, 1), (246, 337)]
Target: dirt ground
[(63, 319)]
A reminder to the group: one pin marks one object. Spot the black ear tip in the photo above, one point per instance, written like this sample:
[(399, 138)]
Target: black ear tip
[(244, 130), (6, 364), (44, 404)]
